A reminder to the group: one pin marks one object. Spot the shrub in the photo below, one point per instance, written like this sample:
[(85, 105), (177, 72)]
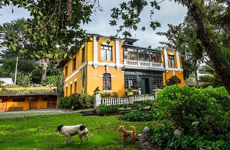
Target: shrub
[(115, 94), (139, 115), (135, 93), (173, 80), (196, 119), (50, 80), (77, 101), (105, 95), (104, 109)]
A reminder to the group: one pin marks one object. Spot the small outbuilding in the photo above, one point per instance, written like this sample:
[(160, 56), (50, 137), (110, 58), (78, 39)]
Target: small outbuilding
[(13, 99)]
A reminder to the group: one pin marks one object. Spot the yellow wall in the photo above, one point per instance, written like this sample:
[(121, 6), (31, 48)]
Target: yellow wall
[(175, 58), (94, 80), (25, 104)]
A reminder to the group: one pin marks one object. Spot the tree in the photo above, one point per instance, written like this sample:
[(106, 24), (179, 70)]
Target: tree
[(58, 23), (209, 77), (197, 10)]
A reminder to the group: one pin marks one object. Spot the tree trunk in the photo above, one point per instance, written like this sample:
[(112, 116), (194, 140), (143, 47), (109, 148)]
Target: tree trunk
[(211, 46), (196, 78), (43, 64), (44, 72)]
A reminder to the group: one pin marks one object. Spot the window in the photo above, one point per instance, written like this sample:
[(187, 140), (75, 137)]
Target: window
[(74, 63), (107, 81), (70, 89), (158, 80), (155, 57), (66, 91), (130, 53), (83, 54), (144, 55), (66, 70), (19, 100), (130, 81), (75, 84), (106, 53), (171, 61), (45, 98)]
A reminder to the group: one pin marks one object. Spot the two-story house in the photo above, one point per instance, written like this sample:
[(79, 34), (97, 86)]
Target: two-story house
[(117, 65)]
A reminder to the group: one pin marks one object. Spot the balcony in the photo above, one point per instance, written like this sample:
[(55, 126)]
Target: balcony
[(140, 63), (142, 58)]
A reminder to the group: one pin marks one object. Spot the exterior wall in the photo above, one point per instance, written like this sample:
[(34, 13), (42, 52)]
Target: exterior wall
[(177, 70), (95, 68), (41, 104), (95, 79), (25, 104), (8, 100)]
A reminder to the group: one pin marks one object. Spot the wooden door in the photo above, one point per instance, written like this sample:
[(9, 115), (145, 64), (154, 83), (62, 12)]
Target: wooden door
[(34, 104), (51, 102), (3, 104)]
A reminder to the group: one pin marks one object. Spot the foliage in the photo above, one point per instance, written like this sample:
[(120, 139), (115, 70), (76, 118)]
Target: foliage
[(104, 109), (135, 93), (50, 80), (115, 94), (173, 80), (106, 95), (23, 80), (42, 130), (209, 77), (193, 118), (24, 92), (77, 101), (140, 114)]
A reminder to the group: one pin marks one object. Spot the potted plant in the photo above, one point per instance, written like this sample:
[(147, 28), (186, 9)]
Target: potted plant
[(97, 90), (130, 92)]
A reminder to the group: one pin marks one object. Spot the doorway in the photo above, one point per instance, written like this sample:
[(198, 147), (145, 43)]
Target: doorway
[(145, 88)]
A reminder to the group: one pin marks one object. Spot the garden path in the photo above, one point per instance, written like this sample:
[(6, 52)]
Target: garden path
[(36, 112)]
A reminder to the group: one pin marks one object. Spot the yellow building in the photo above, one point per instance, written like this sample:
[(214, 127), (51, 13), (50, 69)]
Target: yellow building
[(12, 99), (117, 65)]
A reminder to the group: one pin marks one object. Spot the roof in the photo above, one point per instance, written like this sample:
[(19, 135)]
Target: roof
[(27, 92)]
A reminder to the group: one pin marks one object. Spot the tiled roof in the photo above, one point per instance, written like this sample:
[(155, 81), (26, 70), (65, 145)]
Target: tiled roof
[(27, 92)]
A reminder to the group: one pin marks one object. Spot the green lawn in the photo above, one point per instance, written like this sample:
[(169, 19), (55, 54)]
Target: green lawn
[(38, 132)]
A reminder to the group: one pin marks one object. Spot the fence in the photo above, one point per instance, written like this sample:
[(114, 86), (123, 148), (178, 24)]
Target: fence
[(124, 100)]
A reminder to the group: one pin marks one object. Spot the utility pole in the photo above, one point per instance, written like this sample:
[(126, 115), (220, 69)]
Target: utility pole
[(16, 69)]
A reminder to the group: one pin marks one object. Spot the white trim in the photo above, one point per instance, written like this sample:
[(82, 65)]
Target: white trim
[(107, 91), (100, 76), (173, 72), (117, 55), (71, 83), (76, 71), (75, 80), (95, 52), (113, 76), (166, 58), (171, 54), (178, 60), (105, 43), (66, 85)]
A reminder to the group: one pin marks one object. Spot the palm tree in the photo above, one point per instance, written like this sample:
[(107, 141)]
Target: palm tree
[(209, 77)]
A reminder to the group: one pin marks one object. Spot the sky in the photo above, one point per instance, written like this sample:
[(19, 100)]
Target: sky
[(170, 13)]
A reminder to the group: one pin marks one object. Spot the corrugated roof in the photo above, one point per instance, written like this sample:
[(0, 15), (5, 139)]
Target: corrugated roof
[(27, 92)]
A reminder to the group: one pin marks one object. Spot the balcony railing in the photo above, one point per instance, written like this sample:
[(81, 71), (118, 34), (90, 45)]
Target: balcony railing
[(142, 63)]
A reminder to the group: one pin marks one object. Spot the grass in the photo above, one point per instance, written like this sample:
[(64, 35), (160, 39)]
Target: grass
[(38, 132)]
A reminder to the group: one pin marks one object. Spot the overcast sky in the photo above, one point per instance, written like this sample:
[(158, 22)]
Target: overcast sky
[(170, 13)]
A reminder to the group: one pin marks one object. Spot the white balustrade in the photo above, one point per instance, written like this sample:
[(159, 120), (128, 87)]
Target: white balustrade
[(125, 100), (142, 63)]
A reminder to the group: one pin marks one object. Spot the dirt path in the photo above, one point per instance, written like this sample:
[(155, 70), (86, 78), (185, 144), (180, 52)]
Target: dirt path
[(36, 112)]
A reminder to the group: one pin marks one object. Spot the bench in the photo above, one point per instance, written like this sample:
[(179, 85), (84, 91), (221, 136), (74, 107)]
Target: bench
[(15, 108)]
